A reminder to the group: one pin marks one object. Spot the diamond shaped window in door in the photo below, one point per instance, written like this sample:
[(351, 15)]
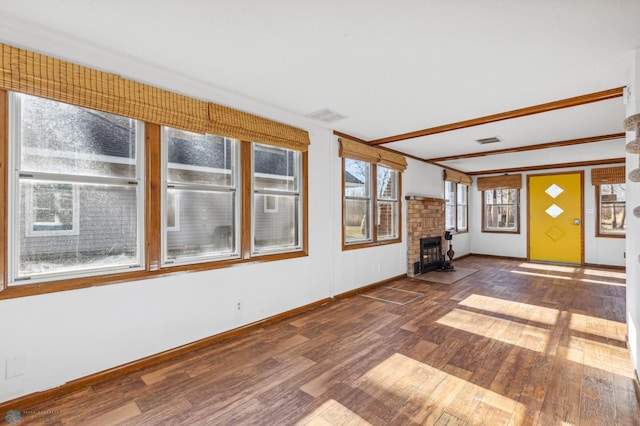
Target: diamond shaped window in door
[(554, 211), (554, 190)]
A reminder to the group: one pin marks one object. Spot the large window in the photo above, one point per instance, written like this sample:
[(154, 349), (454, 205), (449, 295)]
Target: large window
[(366, 198), (75, 198), (277, 193), (201, 212), (611, 210), (111, 180), (456, 199), (78, 200), (500, 210)]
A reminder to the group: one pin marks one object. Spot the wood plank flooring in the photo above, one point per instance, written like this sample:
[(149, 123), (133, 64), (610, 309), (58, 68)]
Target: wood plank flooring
[(515, 343)]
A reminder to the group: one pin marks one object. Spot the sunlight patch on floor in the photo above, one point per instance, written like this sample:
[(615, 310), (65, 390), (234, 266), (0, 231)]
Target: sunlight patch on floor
[(560, 277), (514, 309), (608, 274), (535, 274), (545, 267), (611, 283), (333, 413), (432, 394), (511, 332), (605, 357), (598, 327)]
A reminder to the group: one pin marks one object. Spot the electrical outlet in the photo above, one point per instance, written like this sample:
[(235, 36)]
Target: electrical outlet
[(15, 366), (238, 305)]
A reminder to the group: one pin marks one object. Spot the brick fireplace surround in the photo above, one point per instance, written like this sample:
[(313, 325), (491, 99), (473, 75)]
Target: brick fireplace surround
[(425, 218)]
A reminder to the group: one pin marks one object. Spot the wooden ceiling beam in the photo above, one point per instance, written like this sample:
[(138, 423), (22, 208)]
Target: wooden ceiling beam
[(570, 142), (516, 113), (620, 160)]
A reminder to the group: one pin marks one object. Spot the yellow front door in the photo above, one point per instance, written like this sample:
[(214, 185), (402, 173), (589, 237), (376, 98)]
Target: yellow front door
[(555, 217)]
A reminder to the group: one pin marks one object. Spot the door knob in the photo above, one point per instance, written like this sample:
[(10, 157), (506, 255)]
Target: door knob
[(576, 221)]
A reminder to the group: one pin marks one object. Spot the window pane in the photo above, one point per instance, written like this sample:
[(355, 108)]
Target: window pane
[(612, 218), (387, 183), (50, 207), (276, 168), (612, 209), (357, 178), (202, 159), (387, 220), (462, 194), (105, 228), (276, 229), (500, 217), (202, 224), (61, 138), (356, 220), (501, 210), (462, 218), (450, 203)]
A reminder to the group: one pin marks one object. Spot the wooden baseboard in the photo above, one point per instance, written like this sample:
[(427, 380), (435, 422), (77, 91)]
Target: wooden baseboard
[(24, 402), (596, 265), (368, 287), (495, 256), (524, 259)]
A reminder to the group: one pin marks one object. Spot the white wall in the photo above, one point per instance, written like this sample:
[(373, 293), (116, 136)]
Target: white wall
[(360, 267), (597, 251), (633, 225), (67, 335), (426, 180)]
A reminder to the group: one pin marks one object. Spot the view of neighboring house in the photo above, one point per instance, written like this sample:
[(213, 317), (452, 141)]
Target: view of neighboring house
[(77, 186)]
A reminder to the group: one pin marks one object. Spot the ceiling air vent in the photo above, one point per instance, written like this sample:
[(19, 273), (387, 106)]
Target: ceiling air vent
[(326, 115), (485, 141)]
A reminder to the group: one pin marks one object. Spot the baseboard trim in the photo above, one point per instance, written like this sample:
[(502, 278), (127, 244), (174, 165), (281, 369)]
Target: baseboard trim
[(24, 402), (359, 290), (596, 265), (495, 256), (524, 259)]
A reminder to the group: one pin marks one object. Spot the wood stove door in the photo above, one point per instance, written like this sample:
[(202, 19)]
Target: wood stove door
[(555, 218)]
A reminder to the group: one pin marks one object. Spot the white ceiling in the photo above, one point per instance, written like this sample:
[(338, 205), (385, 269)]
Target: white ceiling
[(389, 66)]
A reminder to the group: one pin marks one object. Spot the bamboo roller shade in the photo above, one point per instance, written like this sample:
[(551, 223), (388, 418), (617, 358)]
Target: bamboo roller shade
[(360, 151), (40, 75), (500, 182), (241, 125), (606, 175), (453, 176)]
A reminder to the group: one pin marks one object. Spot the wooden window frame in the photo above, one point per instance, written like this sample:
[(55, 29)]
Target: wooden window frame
[(599, 232), (455, 206), (517, 218), (255, 253), (374, 242), (31, 175), (152, 220), (195, 186)]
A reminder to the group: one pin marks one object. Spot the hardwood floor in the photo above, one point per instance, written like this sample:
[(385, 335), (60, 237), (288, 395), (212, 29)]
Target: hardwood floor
[(514, 343)]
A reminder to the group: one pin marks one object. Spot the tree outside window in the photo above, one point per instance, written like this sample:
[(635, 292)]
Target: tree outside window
[(500, 209), (611, 211)]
